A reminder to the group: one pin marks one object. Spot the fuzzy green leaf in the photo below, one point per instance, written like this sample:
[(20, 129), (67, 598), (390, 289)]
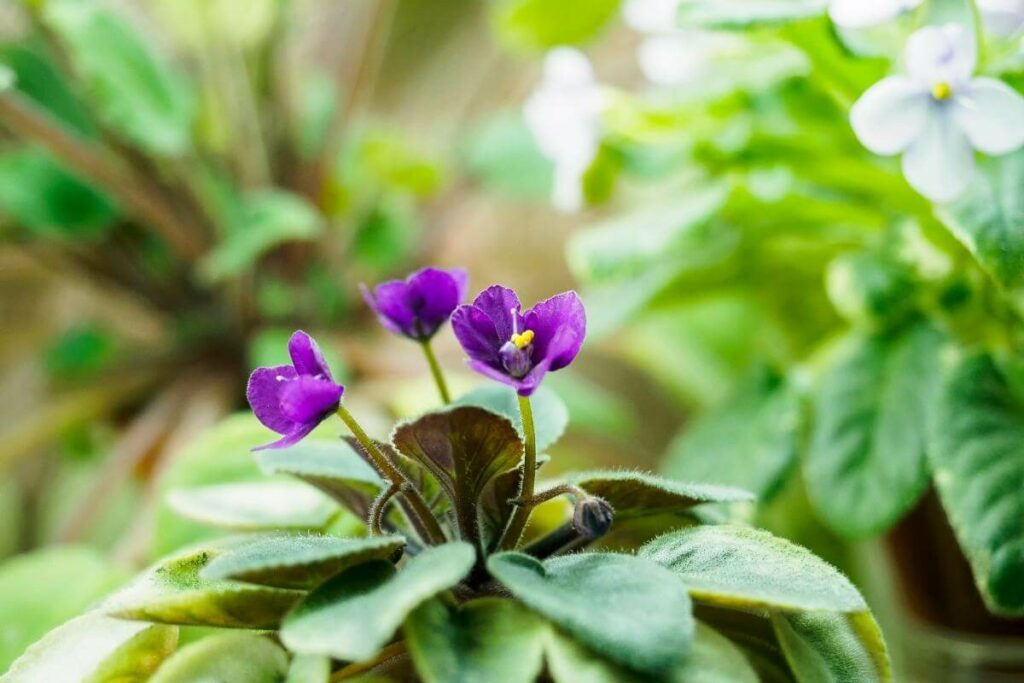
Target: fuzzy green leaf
[(636, 494), (642, 620), (825, 647), (550, 416), (484, 640), (744, 14), (234, 657), (95, 649), (297, 561), (740, 567), (715, 659), (866, 465), (253, 506), (355, 614), (172, 592), (977, 456)]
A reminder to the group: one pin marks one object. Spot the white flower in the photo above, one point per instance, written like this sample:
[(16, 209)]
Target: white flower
[(1004, 18), (938, 113), (564, 115), (855, 14)]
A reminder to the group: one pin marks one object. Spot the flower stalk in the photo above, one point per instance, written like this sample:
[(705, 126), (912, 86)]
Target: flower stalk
[(515, 527), (435, 370)]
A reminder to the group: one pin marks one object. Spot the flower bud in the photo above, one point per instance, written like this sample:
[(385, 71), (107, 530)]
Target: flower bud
[(592, 517)]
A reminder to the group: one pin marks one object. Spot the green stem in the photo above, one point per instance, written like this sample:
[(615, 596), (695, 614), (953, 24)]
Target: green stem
[(435, 370), (515, 527), (390, 472)]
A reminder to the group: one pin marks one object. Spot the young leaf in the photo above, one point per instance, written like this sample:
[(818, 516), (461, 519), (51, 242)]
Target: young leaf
[(745, 14), (636, 494), (95, 649), (550, 416), (253, 506), (172, 592), (352, 616), (629, 609), (825, 647), (977, 456), (235, 657), (866, 465), (750, 441), (740, 567), (539, 24), (297, 561), (484, 640)]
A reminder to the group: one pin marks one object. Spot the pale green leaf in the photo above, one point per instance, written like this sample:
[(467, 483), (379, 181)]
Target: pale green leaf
[(253, 506), (550, 416), (637, 494), (228, 657), (742, 14), (309, 669), (715, 659), (541, 24), (826, 647)]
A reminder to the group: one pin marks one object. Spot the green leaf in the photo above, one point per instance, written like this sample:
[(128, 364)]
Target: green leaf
[(309, 669), (550, 416), (824, 647), (570, 662), (977, 456), (866, 465), (172, 592), (294, 561), (715, 659), (352, 616), (48, 200), (871, 289), (464, 448), (133, 89), (334, 467), (485, 640), (750, 441), (37, 76), (229, 657), (540, 24), (268, 218), (95, 649), (636, 494), (502, 154), (45, 588), (744, 14), (253, 506), (989, 217), (642, 620), (740, 567)]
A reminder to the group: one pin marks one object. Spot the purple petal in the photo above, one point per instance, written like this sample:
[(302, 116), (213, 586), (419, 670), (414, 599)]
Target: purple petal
[(476, 333), (498, 304), (307, 399), (496, 374), (529, 384), (300, 432), (306, 355), (264, 394), (559, 325), (393, 304), (433, 295)]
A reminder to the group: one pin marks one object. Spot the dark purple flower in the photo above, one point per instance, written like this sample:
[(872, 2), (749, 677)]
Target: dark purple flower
[(520, 348), (293, 399), (417, 306)]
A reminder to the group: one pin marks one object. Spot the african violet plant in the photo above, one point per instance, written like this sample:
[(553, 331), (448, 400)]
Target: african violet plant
[(445, 585)]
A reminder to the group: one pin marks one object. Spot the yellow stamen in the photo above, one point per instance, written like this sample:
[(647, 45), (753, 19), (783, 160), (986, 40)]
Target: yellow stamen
[(942, 91), (522, 340)]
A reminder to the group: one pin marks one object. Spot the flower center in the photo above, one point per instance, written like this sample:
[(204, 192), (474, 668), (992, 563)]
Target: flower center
[(522, 340), (942, 91), (516, 354)]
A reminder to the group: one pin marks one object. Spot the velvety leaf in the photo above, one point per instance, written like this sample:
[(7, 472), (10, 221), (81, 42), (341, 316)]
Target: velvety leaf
[(496, 505), (642, 620), (715, 659), (747, 568), (252, 506), (550, 416), (636, 494), (297, 561), (485, 640), (866, 465), (989, 217), (539, 24), (750, 441), (131, 87), (173, 592), (355, 614), (825, 647), (333, 467), (234, 657), (464, 448), (95, 649), (977, 457), (742, 14), (309, 669), (570, 662)]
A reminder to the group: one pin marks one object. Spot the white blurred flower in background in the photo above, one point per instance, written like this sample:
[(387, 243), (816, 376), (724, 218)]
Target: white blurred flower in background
[(938, 114), (564, 116), (855, 14), (1004, 18)]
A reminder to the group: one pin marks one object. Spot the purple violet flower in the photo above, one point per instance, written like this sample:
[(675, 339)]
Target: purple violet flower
[(293, 399), (419, 305), (517, 348)]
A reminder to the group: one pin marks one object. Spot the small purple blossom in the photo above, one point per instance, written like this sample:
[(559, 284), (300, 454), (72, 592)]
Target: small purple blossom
[(293, 399), (518, 348), (419, 305)]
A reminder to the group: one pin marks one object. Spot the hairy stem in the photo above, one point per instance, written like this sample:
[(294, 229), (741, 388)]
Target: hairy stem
[(435, 370), (515, 527)]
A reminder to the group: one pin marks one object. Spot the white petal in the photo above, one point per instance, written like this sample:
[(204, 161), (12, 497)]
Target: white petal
[(651, 16), (941, 54), (863, 13), (567, 193), (940, 163), (567, 67), (890, 115), (670, 60), (991, 113), (1003, 18)]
